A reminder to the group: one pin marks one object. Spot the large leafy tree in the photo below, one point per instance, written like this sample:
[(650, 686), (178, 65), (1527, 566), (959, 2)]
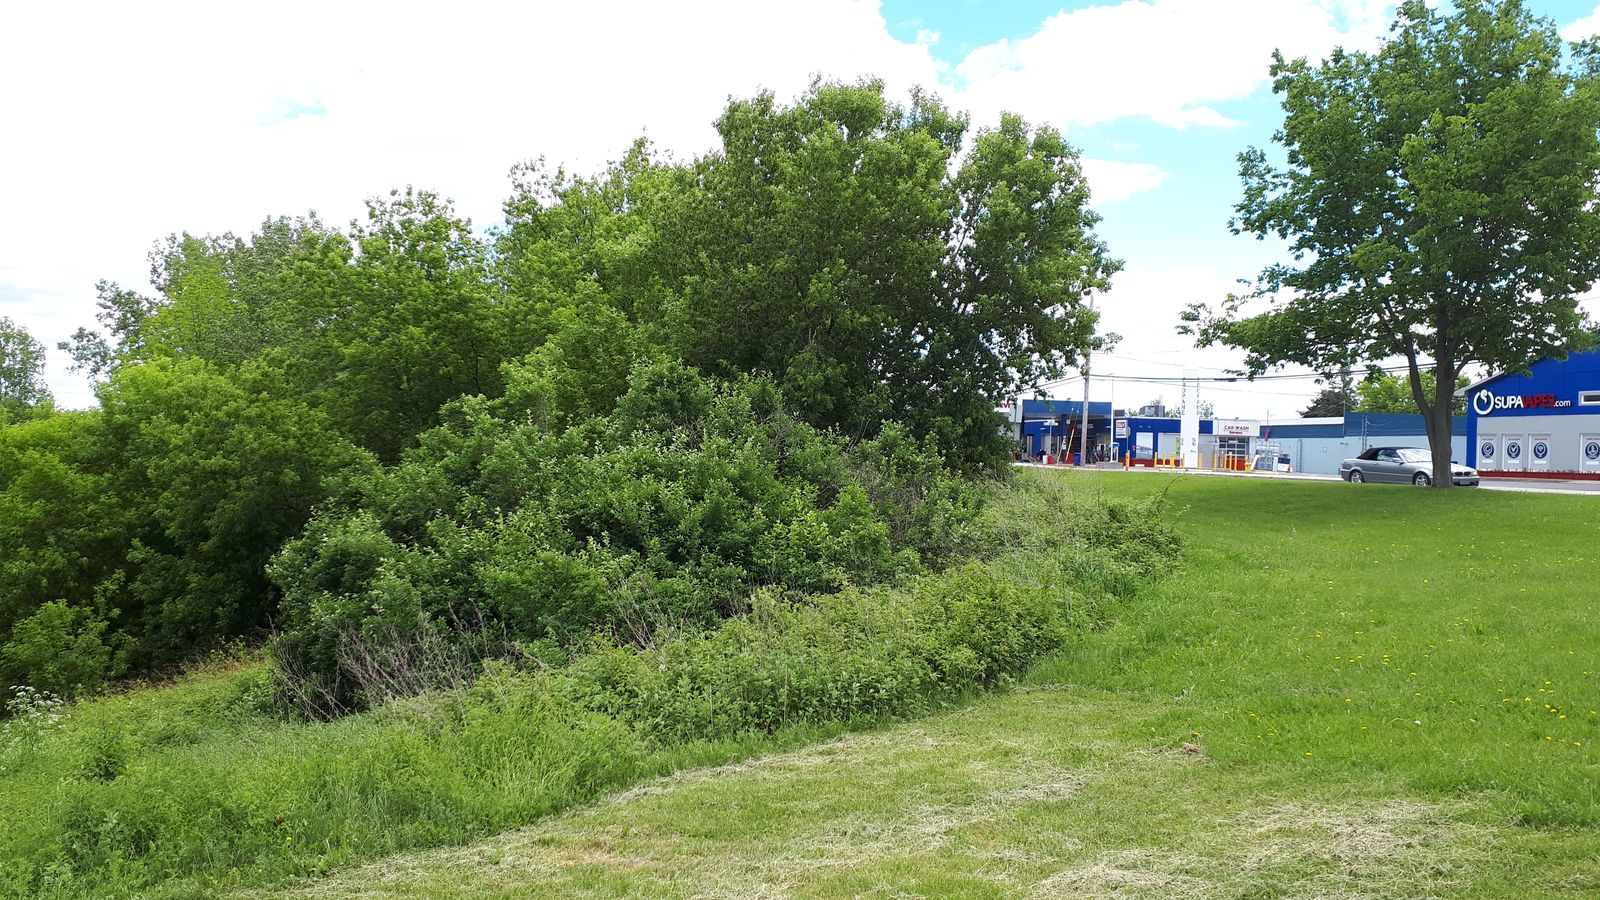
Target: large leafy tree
[(1382, 392), (62, 529), (218, 470), (1336, 398), (22, 386), (832, 244), (1439, 196), (378, 327)]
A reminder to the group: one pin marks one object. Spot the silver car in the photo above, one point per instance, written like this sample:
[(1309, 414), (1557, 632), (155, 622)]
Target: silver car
[(1400, 465)]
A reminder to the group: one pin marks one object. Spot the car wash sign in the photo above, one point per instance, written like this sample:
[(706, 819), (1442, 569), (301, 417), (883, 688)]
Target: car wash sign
[(1485, 402)]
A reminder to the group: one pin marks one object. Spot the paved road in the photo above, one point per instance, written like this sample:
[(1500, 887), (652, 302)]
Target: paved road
[(1542, 485), (1522, 485)]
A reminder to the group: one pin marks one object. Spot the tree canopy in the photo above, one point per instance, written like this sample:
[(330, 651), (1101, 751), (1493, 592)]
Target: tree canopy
[(1438, 196), (1336, 398), (845, 245), (1383, 392), (22, 386)]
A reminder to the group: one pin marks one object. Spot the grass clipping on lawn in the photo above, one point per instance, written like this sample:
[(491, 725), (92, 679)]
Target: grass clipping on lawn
[(1021, 795)]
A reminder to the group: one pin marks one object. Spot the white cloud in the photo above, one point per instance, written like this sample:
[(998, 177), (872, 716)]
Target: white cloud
[(1143, 307), (1168, 60), (1110, 180), (126, 122), (1586, 27)]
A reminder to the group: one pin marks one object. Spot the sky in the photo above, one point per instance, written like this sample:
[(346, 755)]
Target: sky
[(123, 123)]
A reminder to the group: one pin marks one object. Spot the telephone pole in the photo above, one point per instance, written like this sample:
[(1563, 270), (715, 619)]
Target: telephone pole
[(1083, 441)]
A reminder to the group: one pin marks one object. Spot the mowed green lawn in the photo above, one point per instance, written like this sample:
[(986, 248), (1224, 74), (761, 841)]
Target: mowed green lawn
[(1453, 637), (1384, 691)]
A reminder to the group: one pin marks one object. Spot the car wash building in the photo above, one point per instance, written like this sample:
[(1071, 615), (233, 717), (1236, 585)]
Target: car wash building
[(1544, 423), (1144, 438)]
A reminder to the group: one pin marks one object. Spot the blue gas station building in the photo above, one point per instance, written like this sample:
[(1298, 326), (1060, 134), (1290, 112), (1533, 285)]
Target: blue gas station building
[(1051, 427)]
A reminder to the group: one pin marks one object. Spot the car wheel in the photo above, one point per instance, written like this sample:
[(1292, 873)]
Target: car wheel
[(1421, 479), (1355, 476)]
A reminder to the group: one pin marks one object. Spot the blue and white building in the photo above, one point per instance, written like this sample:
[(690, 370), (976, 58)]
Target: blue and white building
[(1541, 423), (1316, 446), (1144, 437), (1050, 428)]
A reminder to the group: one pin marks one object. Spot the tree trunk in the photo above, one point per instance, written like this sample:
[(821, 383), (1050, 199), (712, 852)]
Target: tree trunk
[(1436, 412), (1441, 424)]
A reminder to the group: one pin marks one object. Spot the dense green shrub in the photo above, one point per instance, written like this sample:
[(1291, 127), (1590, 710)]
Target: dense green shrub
[(60, 649), (62, 532), (667, 511), (149, 522)]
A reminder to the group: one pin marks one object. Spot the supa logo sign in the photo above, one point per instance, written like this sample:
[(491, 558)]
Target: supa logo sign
[(1486, 401)]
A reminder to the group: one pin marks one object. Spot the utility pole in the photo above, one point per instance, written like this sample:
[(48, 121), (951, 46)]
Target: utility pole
[(1116, 449), (1083, 430), (1083, 441)]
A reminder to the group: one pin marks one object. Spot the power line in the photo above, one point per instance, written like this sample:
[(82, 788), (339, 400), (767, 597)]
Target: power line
[(1232, 379), (1152, 362), (1210, 379)]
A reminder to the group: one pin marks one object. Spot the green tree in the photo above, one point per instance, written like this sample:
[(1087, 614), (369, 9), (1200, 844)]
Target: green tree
[(1439, 197), (830, 244), (22, 386), (570, 239), (1336, 398), (121, 313), (217, 470), (63, 531), (418, 328), (1388, 393)]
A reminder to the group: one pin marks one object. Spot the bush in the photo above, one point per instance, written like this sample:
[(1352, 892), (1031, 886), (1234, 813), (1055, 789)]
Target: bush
[(58, 649), (668, 512)]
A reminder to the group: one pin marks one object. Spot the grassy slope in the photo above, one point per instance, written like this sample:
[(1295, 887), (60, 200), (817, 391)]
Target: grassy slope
[(194, 788), (1392, 693)]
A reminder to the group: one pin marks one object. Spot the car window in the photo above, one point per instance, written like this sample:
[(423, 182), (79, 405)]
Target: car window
[(1414, 456), (1388, 456)]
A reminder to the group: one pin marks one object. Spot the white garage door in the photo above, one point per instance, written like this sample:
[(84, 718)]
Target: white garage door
[(1513, 447), (1589, 453), (1538, 452), (1489, 453)]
